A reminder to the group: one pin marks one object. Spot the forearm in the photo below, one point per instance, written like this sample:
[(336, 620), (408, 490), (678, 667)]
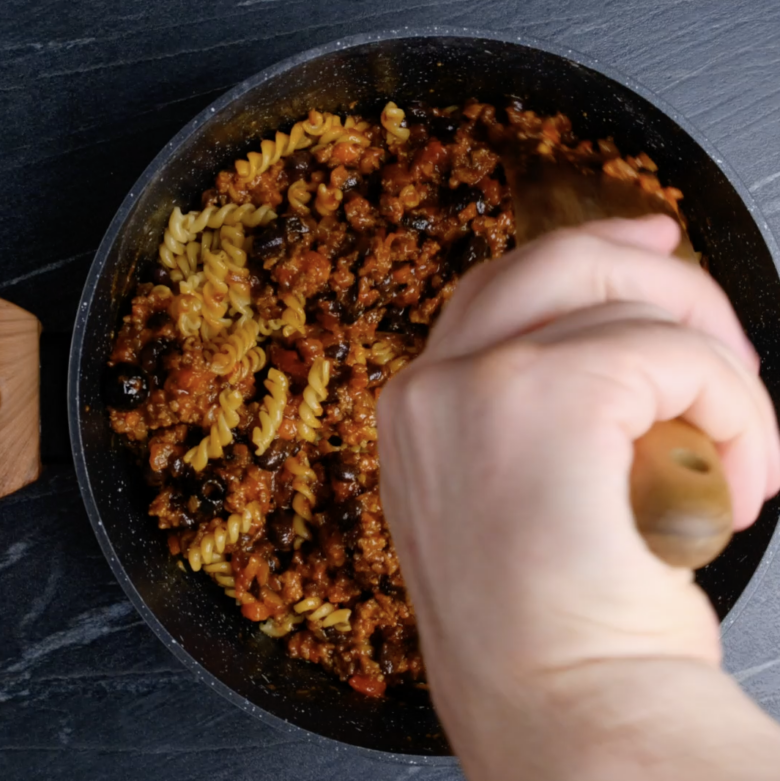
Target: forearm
[(642, 720)]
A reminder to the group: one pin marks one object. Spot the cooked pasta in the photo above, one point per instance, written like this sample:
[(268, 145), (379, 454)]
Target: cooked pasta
[(272, 412), (392, 122), (238, 347), (328, 199), (314, 393), (294, 317), (298, 195), (271, 151), (310, 275), (220, 435)]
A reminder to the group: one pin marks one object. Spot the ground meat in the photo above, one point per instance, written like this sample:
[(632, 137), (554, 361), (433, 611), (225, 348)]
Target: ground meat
[(329, 275)]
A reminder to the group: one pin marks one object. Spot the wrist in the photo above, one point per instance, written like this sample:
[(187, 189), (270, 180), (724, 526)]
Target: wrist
[(644, 719)]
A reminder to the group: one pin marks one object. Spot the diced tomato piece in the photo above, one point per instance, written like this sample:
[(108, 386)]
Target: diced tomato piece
[(371, 687), (255, 611)]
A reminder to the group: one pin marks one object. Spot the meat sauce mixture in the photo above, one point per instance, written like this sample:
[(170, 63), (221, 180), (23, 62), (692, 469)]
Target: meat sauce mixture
[(247, 374)]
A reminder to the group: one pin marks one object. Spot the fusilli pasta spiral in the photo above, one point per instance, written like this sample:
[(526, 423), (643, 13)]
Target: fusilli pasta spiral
[(314, 393), (294, 317), (324, 612), (298, 195), (272, 412), (328, 199), (215, 294), (303, 499), (391, 119), (181, 253), (220, 434), (238, 347), (208, 551), (271, 152)]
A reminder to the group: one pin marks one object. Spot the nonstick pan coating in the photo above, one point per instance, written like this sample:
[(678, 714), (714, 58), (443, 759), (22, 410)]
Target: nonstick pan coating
[(187, 611)]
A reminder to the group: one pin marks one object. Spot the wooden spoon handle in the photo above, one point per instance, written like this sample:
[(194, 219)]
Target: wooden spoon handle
[(20, 452), (679, 495)]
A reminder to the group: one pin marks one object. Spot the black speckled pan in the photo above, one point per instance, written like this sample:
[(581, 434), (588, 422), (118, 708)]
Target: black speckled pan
[(188, 613)]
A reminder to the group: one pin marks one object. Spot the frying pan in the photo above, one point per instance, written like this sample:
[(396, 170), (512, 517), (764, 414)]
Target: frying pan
[(187, 611)]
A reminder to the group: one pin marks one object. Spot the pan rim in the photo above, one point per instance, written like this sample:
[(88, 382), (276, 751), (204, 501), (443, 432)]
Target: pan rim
[(158, 163)]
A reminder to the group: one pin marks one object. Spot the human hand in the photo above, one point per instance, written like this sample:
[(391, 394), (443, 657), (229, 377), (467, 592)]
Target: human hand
[(506, 450)]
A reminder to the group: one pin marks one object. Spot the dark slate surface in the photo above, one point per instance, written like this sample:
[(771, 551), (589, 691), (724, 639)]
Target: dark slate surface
[(89, 93)]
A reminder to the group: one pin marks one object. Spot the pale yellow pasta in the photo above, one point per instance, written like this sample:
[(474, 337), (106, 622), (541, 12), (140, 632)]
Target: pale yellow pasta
[(298, 195), (337, 134), (319, 123), (391, 119), (186, 311), (324, 612), (382, 352), (238, 347), (175, 239), (272, 411), (294, 317), (247, 214), (271, 152), (319, 613), (303, 477), (303, 499), (212, 544), (215, 294), (281, 627), (209, 552), (337, 617), (307, 604), (181, 253), (328, 199), (314, 393), (220, 434), (268, 327)]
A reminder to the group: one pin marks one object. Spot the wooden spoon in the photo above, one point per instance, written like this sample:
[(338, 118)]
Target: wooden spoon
[(679, 493), (20, 463)]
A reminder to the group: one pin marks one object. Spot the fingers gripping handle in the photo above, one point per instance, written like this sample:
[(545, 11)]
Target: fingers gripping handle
[(679, 495)]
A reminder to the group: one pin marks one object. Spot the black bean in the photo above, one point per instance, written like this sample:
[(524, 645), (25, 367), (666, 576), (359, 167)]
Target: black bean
[(372, 187), (269, 242), (351, 182), (443, 128), (386, 587), (462, 196), (187, 519), (126, 386), (160, 276), (395, 321), (417, 110), (335, 441), (299, 165), (352, 308), (375, 373), (158, 320), (280, 529), (152, 352), (338, 469), (294, 227), (391, 657), (177, 467), (212, 492), (418, 222), (348, 514), (276, 454), (338, 351), (467, 252)]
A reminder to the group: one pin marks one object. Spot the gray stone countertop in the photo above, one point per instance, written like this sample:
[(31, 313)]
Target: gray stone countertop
[(90, 91)]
